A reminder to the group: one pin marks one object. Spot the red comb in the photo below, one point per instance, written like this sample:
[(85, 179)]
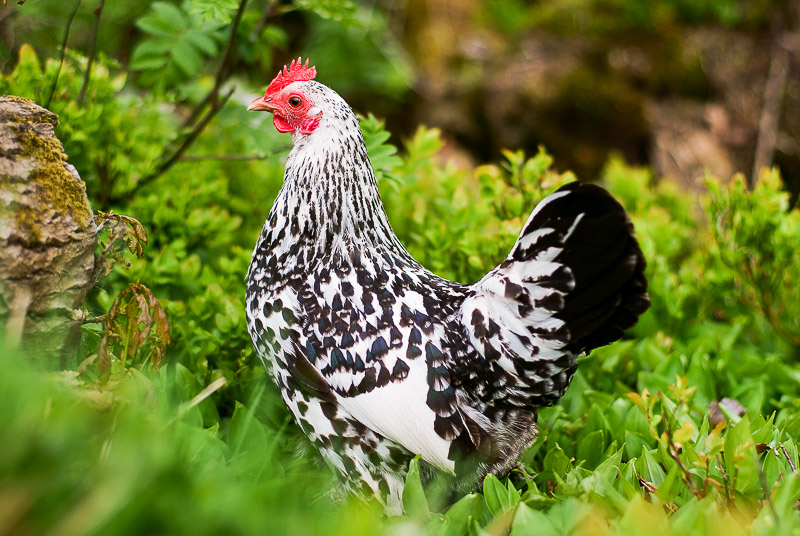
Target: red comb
[(297, 72)]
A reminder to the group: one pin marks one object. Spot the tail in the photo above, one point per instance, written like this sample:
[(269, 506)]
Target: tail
[(573, 281)]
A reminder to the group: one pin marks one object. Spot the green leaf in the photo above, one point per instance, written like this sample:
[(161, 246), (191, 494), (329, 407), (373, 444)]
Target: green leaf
[(164, 20), (245, 432), (492, 492), (591, 449), (414, 502), (628, 483), (339, 10), (740, 457), (220, 11), (150, 55), (186, 57), (528, 521), (382, 155), (671, 486), (556, 461), (201, 41), (188, 386), (178, 49), (498, 497), (610, 466), (148, 64), (786, 496), (157, 26), (460, 515), (171, 15), (649, 469)]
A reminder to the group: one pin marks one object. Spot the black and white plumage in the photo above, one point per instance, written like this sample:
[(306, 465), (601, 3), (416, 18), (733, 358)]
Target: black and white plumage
[(377, 358)]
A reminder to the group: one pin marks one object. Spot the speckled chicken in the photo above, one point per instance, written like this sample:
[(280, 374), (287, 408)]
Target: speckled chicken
[(377, 358)]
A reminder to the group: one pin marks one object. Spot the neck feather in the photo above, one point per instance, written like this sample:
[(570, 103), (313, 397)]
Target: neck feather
[(329, 205)]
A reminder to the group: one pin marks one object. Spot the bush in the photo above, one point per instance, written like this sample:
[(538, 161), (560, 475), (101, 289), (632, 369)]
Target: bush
[(686, 426)]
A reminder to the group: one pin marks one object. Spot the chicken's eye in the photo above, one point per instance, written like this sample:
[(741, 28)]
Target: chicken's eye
[(295, 101)]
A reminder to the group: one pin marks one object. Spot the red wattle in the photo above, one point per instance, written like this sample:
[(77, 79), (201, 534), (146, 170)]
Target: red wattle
[(281, 124), (309, 124)]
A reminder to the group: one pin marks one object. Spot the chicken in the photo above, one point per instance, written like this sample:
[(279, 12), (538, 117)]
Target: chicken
[(380, 360)]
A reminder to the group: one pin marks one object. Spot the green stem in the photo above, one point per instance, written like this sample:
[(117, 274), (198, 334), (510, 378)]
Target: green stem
[(88, 74), (63, 52)]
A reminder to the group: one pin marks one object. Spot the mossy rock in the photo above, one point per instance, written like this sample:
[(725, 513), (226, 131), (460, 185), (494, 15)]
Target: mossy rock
[(47, 232)]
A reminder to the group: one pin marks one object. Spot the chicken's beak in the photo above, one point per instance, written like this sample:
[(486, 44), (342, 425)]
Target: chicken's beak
[(261, 104)]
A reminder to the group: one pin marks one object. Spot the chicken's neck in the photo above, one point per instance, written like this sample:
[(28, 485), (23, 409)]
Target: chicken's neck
[(329, 208)]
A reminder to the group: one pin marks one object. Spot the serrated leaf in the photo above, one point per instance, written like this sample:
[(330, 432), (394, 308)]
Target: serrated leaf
[(171, 14), (338, 10), (148, 64), (157, 26), (220, 11), (186, 57), (201, 41), (151, 48), (383, 156)]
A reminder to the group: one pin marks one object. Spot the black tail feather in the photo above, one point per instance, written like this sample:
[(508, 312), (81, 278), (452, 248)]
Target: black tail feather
[(601, 250)]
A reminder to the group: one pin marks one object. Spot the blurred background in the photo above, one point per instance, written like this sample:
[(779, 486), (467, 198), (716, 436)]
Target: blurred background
[(687, 87), (163, 420)]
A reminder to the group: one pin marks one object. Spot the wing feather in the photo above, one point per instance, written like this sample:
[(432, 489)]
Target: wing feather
[(574, 280)]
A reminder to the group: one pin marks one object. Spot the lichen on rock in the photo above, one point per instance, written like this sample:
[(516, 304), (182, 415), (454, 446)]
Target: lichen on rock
[(47, 232)]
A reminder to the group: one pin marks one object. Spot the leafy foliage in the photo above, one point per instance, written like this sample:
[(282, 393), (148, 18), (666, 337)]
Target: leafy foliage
[(122, 230), (643, 441), (127, 460), (764, 275), (180, 42), (144, 324), (114, 138)]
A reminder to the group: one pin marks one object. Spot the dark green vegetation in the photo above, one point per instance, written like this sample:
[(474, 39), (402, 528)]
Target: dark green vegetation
[(203, 445)]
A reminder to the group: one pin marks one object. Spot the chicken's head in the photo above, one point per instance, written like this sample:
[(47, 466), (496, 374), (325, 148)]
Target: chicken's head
[(292, 108)]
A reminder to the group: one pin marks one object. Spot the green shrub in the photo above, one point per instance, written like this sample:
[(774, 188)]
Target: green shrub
[(636, 445)]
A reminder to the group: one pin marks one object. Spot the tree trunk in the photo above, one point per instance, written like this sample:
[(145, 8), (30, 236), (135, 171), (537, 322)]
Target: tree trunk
[(47, 236)]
